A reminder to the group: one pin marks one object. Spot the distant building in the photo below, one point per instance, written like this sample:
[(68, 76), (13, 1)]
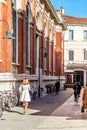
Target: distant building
[(75, 50)]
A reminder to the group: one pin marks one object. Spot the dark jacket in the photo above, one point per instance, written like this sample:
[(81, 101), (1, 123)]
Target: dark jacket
[(77, 88), (57, 85)]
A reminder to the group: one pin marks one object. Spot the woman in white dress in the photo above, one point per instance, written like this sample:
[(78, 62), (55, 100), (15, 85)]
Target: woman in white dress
[(24, 90)]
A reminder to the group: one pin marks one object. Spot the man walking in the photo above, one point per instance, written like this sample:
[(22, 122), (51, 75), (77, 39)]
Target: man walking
[(77, 89)]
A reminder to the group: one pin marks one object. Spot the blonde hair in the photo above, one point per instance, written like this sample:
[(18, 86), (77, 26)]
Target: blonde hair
[(25, 81)]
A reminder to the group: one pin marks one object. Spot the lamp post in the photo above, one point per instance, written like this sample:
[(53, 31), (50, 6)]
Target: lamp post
[(7, 36), (59, 64), (45, 56), (8, 33)]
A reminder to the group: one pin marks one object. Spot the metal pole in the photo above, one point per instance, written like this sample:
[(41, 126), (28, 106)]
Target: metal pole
[(39, 76), (39, 89), (60, 66)]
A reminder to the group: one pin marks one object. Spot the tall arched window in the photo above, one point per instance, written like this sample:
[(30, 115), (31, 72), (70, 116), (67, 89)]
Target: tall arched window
[(14, 59), (27, 34), (45, 35), (38, 21), (28, 20), (45, 29), (50, 49), (50, 35)]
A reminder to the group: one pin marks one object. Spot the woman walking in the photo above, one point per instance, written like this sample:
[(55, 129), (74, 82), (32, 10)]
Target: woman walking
[(24, 90)]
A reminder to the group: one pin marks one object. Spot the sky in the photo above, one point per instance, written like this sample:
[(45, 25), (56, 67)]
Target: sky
[(76, 8)]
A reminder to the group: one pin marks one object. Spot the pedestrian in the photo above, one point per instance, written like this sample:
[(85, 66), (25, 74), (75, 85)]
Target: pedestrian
[(77, 89), (57, 86), (84, 97), (24, 91)]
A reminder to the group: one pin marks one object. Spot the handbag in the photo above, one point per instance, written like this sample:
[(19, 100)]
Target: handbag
[(82, 107)]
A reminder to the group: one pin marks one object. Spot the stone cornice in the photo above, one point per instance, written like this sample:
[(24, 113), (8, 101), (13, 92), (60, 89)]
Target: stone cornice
[(73, 24), (49, 8)]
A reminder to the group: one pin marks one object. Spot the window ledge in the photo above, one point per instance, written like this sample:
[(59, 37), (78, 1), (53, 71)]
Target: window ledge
[(28, 66), (1, 61), (16, 64), (71, 40)]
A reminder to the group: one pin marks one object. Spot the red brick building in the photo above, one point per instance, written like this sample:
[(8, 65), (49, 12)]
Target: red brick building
[(37, 30)]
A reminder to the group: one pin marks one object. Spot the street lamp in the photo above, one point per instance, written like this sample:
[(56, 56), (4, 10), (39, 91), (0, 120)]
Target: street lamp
[(59, 64), (45, 56), (8, 33), (7, 36)]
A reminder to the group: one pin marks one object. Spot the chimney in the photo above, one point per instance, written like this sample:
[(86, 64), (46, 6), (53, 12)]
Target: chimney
[(62, 10)]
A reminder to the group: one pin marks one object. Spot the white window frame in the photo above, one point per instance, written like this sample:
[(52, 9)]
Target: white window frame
[(71, 34)]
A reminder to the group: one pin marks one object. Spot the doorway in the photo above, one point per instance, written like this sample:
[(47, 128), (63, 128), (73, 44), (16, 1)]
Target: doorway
[(79, 77)]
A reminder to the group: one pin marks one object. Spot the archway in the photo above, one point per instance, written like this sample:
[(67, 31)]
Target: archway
[(79, 77)]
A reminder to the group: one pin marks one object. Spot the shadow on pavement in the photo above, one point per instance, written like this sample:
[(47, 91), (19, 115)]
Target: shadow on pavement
[(14, 111), (61, 105), (48, 104), (55, 105)]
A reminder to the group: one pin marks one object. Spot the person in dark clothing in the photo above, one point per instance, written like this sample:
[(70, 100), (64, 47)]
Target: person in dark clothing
[(57, 86), (77, 89)]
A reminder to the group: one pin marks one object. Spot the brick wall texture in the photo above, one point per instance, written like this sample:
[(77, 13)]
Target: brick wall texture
[(6, 48)]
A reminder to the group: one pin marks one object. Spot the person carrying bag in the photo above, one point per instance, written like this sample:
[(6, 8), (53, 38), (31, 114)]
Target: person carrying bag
[(82, 106)]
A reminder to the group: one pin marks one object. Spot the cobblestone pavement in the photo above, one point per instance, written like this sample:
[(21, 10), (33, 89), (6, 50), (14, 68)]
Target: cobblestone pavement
[(51, 112)]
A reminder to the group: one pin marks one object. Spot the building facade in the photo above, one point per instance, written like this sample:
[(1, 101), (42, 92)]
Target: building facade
[(37, 30), (75, 50)]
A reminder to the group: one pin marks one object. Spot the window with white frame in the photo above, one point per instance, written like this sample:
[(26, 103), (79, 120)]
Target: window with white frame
[(38, 20), (71, 55), (70, 34), (85, 34), (54, 37), (85, 54), (45, 51), (45, 34), (14, 59), (45, 29), (50, 46), (50, 34), (27, 46), (28, 20)]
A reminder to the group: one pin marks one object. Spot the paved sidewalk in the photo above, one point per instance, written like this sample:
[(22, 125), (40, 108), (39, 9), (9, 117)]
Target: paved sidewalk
[(46, 114)]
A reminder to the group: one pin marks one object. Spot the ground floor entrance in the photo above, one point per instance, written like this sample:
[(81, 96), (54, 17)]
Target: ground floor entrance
[(75, 76), (78, 77)]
